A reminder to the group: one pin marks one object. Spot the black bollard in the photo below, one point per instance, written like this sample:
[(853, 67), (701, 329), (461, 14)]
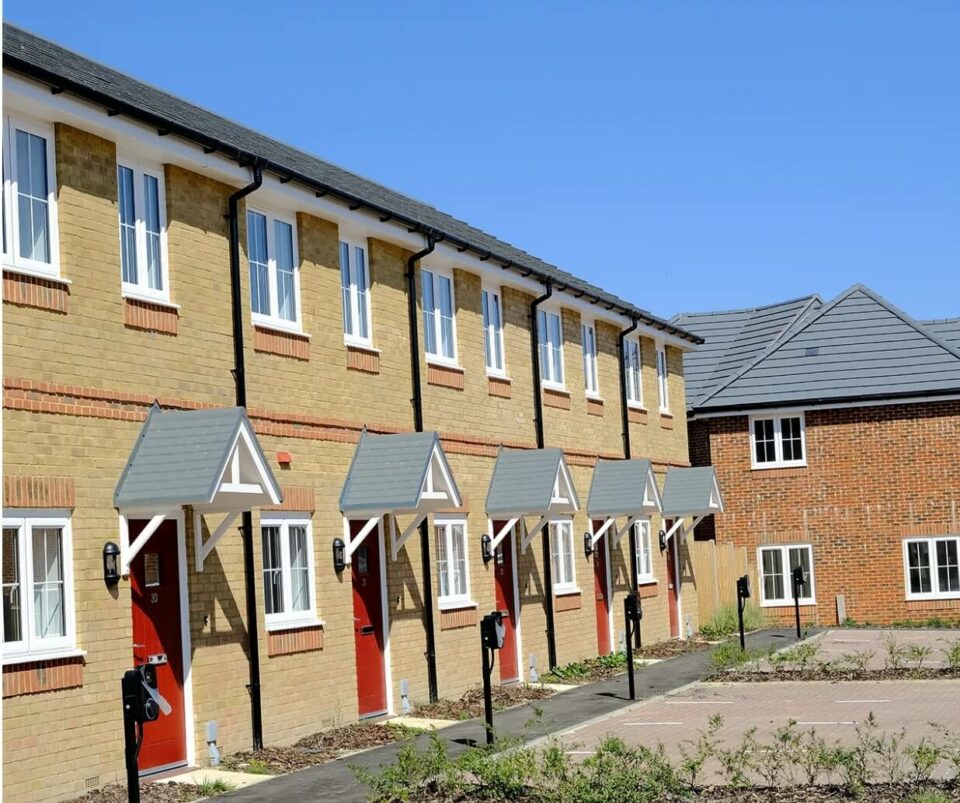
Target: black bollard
[(798, 580), (743, 594), (492, 634), (632, 625)]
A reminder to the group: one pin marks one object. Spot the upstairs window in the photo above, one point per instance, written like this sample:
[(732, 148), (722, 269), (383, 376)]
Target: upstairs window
[(452, 566), (550, 339), (932, 568), (493, 332), (439, 331), (274, 272), (355, 287), (662, 375), (562, 557), (778, 441), (776, 574), (29, 198), (644, 553), (631, 367), (288, 585), (142, 231), (588, 340)]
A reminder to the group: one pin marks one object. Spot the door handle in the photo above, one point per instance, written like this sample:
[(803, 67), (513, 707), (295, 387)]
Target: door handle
[(367, 630)]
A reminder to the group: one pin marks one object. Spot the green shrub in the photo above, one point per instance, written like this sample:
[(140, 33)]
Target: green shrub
[(724, 621)]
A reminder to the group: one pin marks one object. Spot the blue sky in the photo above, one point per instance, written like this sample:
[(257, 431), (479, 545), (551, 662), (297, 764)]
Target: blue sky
[(687, 156)]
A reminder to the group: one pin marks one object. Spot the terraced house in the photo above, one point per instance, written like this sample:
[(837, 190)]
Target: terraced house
[(835, 432), (320, 427)]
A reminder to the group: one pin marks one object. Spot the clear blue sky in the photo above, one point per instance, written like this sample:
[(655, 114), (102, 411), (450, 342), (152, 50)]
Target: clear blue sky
[(684, 155)]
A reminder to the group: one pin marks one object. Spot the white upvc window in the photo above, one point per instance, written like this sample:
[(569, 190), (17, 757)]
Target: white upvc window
[(550, 339), (493, 332), (644, 552), (588, 340), (289, 588), (453, 567), (38, 602), (778, 441), (663, 391), (632, 369), (274, 270), (439, 321), (143, 230), (562, 557), (932, 567), (776, 565), (355, 291), (30, 233)]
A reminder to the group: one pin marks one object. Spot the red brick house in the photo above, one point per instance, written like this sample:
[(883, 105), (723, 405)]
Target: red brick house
[(835, 432)]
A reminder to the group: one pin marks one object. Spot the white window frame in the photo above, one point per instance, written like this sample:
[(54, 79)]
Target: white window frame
[(591, 370), (809, 588), (11, 257), (633, 400), (494, 334), (350, 338), (290, 619), (935, 592), (563, 585), (644, 548), (32, 648), (777, 418), (663, 376), (438, 357), (547, 379), (273, 319), (453, 601), (142, 289)]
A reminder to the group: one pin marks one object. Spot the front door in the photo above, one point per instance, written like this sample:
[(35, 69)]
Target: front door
[(368, 624), (506, 602), (673, 588), (157, 639), (602, 593)]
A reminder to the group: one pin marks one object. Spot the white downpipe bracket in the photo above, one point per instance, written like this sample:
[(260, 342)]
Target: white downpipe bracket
[(203, 549), (396, 545), (622, 531), (352, 543), (129, 551), (526, 538), (503, 533), (595, 538)]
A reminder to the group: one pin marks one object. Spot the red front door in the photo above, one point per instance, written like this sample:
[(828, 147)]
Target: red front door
[(368, 624), (602, 594), (673, 588), (506, 602), (157, 639)]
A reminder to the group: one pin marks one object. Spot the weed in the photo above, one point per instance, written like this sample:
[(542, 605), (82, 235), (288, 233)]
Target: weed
[(724, 621), (896, 652), (728, 655), (927, 796), (917, 654), (212, 787), (925, 757), (801, 656), (952, 654), (738, 761), (774, 761), (855, 661), (696, 752), (256, 766)]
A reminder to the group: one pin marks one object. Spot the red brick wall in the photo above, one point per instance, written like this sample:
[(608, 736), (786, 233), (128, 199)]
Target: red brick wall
[(874, 476)]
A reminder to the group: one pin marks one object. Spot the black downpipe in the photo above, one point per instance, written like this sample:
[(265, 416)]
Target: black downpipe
[(625, 419), (545, 533), (417, 401), (246, 527)]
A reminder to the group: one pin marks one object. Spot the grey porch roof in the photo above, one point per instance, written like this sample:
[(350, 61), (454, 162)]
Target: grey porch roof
[(690, 492), (619, 488), (858, 347), (67, 70), (523, 481), (180, 456), (388, 472)]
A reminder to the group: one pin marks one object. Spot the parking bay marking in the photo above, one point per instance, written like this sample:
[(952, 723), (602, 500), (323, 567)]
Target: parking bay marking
[(652, 723), (863, 701), (834, 722)]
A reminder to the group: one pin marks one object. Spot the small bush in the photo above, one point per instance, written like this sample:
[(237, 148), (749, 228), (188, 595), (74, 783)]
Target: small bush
[(212, 787), (952, 654), (724, 621)]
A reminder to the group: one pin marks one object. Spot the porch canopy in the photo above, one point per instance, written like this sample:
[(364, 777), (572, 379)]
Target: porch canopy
[(621, 489), (209, 459), (690, 493), (391, 475), (529, 482)]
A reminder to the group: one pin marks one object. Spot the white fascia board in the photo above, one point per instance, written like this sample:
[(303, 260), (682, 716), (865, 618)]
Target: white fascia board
[(767, 412), (35, 99)]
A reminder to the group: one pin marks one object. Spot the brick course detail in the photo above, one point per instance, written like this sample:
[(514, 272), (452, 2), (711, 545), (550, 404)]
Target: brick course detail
[(636, 416), (41, 676), (295, 498), (284, 344), (34, 291), (559, 399), (445, 377), (568, 602), (289, 642), (502, 388), (139, 314), (38, 492), (463, 617), (360, 359), (595, 406)]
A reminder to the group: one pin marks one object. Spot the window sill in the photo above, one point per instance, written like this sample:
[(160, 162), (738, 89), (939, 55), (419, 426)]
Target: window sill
[(294, 624), (455, 604), (360, 345), (647, 581), (36, 274), (596, 397), (36, 657), (148, 299), (443, 362), (810, 603), (498, 376), (276, 326), (631, 405), (932, 597), (768, 466), (554, 387), (665, 413), (565, 591)]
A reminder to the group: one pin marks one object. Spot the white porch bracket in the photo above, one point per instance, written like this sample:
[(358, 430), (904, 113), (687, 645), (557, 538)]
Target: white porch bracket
[(397, 544), (692, 527), (129, 551), (503, 532), (353, 542), (673, 528), (622, 531), (528, 537), (595, 538), (202, 548)]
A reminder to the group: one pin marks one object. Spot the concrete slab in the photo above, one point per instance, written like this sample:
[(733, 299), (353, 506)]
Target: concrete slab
[(238, 780), (556, 687), (420, 723)]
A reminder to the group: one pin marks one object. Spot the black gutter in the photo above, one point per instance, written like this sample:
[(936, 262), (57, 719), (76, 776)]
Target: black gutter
[(417, 402), (538, 420), (246, 527), (116, 106), (625, 423)]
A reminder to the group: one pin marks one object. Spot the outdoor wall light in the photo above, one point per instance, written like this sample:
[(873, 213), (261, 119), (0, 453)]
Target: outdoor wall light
[(663, 540), (485, 552), (587, 544), (111, 564), (339, 555)]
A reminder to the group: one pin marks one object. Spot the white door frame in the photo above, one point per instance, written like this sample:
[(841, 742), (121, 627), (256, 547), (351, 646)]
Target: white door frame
[(609, 589), (385, 619), (677, 584)]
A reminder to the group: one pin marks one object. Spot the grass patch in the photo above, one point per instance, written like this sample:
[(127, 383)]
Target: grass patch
[(725, 621), (212, 787)]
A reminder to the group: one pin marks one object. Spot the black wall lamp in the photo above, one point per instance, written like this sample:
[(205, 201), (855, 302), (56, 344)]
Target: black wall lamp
[(587, 544), (339, 555), (111, 564), (663, 540), (485, 552)]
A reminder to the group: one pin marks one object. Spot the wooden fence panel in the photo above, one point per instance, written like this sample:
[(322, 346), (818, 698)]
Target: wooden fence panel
[(717, 567)]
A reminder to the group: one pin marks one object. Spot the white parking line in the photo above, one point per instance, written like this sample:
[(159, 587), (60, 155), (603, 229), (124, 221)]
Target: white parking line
[(698, 702), (834, 722), (863, 701), (652, 723)]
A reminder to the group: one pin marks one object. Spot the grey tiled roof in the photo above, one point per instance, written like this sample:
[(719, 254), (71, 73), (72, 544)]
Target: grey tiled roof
[(46, 61), (618, 486), (947, 329), (523, 481), (387, 472), (179, 457), (686, 491)]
